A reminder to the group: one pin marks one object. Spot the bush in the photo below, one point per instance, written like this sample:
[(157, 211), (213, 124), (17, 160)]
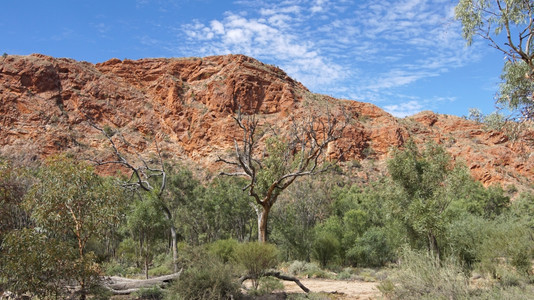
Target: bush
[(508, 244), (32, 263), (113, 268), (325, 248), (208, 280), (371, 249), (224, 249), (256, 258), (267, 285), (153, 293), (465, 237), (99, 292), (305, 269), (422, 276)]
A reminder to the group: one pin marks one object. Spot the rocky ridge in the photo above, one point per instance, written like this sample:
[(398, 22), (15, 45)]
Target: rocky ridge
[(187, 104)]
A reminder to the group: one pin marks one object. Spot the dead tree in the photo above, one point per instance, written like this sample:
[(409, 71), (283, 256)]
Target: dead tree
[(140, 177), (297, 152)]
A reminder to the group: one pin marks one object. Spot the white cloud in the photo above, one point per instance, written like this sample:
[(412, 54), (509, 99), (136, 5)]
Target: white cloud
[(369, 51), (217, 27), (404, 109), (268, 39)]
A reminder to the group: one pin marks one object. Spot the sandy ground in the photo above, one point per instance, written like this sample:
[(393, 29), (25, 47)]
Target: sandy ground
[(345, 289)]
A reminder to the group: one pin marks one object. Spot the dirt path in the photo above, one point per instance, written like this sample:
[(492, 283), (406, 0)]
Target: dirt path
[(346, 289)]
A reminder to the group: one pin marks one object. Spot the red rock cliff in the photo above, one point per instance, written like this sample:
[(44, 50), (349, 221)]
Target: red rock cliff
[(187, 104)]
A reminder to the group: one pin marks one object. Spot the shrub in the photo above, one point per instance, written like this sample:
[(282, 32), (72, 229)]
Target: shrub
[(113, 268), (296, 267), (153, 293), (508, 244), (325, 248), (267, 285), (208, 280), (32, 263), (465, 237), (422, 276), (256, 258), (371, 249), (99, 292), (307, 270), (224, 249)]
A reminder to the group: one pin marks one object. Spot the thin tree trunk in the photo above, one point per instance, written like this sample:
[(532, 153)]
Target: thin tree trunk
[(433, 245), (174, 241), (146, 259), (174, 238), (263, 217)]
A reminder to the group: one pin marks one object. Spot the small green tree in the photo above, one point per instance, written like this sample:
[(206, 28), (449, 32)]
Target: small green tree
[(146, 223), (256, 258), (419, 199), (71, 201), (325, 248)]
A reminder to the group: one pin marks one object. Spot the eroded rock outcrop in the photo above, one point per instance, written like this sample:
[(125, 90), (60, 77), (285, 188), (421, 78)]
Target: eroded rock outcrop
[(187, 104)]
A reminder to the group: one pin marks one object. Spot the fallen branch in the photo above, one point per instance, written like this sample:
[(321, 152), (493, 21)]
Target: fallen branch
[(124, 286), (279, 276)]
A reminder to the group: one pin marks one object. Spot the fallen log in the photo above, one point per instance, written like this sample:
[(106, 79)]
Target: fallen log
[(124, 286), (279, 276)]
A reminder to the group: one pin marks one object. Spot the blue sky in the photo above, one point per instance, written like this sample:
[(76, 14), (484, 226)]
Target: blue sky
[(402, 55)]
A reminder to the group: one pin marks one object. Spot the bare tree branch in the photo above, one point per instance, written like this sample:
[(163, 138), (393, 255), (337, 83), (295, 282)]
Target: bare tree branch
[(287, 155)]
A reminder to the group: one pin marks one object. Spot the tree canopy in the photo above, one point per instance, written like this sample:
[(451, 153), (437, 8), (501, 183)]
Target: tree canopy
[(508, 26)]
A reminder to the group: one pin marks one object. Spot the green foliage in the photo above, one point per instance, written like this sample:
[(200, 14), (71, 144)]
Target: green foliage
[(14, 183), (224, 250), (33, 263), (153, 293), (508, 243), (517, 86), (221, 210), (475, 115), (109, 131), (275, 164), (71, 199), (422, 276), (495, 121), (307, 269), (226, 210), (428, 193), (465, 236), (523, 208), (489, 19), (205, 280), (256, 258), (267, 285), (372, 249), (419, 200), (71, 202), (146, 224), (326, 248), (302, 206)]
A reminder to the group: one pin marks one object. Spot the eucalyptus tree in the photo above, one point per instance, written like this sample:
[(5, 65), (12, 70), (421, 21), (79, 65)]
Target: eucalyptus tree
[(70, 201), (144, 176), (299, 151), (508, 26)]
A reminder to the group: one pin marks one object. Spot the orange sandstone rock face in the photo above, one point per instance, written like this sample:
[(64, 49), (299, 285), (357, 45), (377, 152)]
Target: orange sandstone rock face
[(187, 104)]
